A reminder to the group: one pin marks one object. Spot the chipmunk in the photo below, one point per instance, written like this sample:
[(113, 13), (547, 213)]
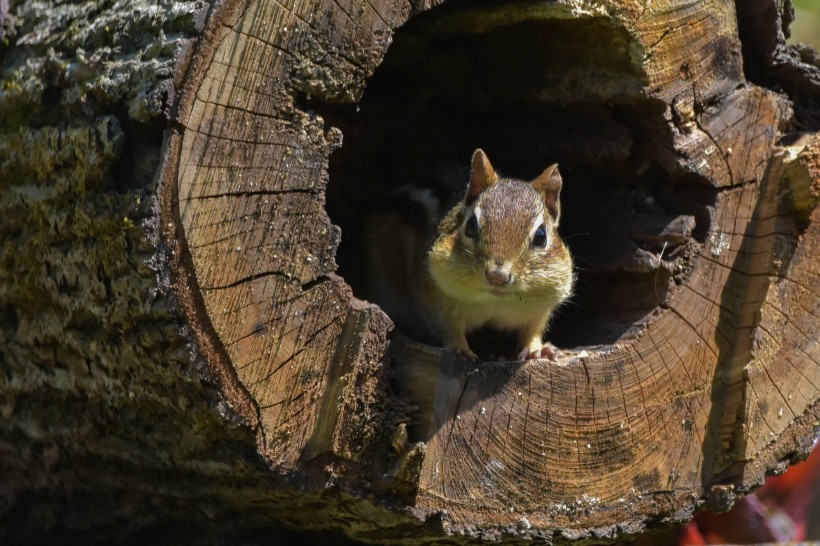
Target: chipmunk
[(494, 259)]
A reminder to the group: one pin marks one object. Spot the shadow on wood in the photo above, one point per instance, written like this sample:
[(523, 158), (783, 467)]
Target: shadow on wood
[(691, 354)]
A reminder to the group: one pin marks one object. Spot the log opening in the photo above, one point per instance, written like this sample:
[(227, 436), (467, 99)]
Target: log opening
[(671, 164), (531, 89)]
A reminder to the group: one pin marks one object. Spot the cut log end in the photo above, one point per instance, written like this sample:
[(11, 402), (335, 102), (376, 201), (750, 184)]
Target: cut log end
[(691, 363)]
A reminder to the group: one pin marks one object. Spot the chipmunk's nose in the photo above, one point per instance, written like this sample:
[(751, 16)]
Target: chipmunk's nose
[(499, 273)]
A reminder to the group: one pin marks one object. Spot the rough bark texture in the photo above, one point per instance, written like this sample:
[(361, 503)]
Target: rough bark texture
[(119, 392), (109, 431)]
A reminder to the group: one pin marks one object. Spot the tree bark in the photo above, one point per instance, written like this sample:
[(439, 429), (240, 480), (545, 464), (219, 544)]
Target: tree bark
[(169, 315)]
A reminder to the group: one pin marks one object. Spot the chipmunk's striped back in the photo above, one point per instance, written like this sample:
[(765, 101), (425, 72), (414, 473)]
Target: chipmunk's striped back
[(398, 236)]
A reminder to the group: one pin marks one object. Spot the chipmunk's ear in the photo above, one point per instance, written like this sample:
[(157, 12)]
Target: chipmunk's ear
[(482, 176), (548, 184)]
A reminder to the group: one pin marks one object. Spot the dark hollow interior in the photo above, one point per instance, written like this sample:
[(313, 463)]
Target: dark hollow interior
[(530, 90)]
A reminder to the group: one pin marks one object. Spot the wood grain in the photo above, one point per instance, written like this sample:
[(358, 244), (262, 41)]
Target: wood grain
[(250, 184), (716, 388)]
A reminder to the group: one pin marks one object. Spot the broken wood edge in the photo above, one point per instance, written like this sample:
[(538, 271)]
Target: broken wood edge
[(214, 22), (740, 478), (192, 67), (661, 508), (797, 161), (184, 283), (801, 172), (215, 355)]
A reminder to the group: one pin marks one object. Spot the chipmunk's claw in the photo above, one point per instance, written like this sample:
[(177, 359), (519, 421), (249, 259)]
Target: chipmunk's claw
[(547, 350), (469, 356)]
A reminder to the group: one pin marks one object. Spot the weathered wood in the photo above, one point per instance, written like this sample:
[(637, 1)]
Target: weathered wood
[(151, 349), (286, 337), (103, 409), (712, 389), (111, 430)]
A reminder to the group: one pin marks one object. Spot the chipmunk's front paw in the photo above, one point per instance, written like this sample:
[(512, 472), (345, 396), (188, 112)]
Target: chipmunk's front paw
[(459, 344), (469, 355), (545, 350)]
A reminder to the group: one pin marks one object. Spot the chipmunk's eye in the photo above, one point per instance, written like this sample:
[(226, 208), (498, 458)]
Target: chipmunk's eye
[(540, 236), (471, 229)]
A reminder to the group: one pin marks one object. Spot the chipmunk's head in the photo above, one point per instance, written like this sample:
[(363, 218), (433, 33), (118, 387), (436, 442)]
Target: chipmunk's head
[(504, 238)]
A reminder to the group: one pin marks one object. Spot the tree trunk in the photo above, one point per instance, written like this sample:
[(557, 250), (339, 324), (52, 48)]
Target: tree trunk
[(170, 315)]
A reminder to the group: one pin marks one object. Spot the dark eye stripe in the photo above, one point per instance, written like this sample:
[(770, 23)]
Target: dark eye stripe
[(471, 229), (540, 236)]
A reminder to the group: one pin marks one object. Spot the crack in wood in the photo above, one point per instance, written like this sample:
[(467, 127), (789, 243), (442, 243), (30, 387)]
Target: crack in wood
[(456, 415), (713, 318), (249, 278), (255, 193), (348, 350)]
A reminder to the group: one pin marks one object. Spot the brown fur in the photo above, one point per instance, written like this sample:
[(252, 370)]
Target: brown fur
[(499, 277)]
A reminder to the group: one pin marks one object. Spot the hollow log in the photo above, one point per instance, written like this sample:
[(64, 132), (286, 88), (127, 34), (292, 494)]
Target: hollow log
[(690, 404), (191, 327)]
